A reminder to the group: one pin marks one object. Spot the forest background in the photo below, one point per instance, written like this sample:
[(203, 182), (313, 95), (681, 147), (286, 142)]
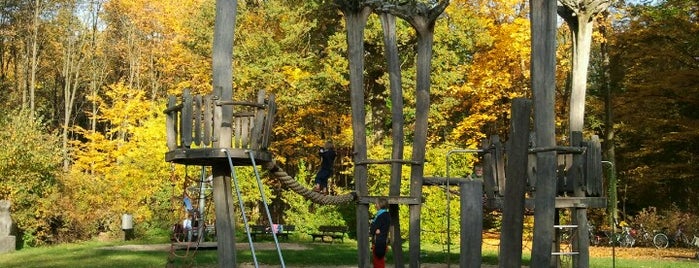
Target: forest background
[(84, 84)]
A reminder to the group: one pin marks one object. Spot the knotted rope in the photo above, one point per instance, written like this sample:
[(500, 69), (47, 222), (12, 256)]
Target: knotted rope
[(315, 197)]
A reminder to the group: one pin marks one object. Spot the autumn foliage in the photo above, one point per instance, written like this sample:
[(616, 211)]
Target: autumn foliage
[(113, 62)]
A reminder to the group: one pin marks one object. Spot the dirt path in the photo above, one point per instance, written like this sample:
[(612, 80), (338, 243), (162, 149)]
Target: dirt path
[(207, 245)]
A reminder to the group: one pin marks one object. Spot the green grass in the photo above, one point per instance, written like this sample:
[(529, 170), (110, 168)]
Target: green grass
[(88, 254), (94, 254)]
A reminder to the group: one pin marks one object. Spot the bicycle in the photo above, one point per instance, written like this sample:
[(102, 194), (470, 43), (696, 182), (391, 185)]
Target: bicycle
[(658, 239), (680, 239), (595, 240), (623, 239)]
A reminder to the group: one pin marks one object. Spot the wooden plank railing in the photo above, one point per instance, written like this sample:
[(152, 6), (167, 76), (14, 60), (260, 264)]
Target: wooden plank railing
[(197, 121)]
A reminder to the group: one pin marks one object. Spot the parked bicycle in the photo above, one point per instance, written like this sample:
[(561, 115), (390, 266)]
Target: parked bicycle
[(680, 239), (658, 239), (595, 239), (623, 239)]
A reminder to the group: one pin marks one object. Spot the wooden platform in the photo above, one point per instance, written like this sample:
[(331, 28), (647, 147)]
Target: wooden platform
[(215, 156)]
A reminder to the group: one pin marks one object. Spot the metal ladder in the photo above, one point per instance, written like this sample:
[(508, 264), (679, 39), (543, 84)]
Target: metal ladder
[(564, 253), (242, 208)]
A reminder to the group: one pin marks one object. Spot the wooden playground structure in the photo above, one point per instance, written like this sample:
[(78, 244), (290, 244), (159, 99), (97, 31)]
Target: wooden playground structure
[(216, 130)]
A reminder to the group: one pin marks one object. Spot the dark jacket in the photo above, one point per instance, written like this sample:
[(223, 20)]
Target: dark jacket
[(381, 222), (328, 158)]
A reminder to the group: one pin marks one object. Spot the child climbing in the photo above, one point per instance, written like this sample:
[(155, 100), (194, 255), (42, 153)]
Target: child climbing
[(327, 155)]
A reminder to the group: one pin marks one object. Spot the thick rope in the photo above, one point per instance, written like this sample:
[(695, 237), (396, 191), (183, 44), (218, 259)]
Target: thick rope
[(315, 197)]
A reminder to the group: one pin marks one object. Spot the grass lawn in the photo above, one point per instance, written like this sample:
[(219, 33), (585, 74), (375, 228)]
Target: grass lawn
[(304, 253)]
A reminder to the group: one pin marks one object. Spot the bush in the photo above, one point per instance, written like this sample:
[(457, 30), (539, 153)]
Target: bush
[(669, 221)]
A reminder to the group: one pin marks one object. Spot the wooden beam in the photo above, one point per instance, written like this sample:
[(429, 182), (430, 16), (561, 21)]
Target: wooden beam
[(543, 76), (222, 80), (397, 200), (560, 202), (429, 181), (471, 219), (513, 210)]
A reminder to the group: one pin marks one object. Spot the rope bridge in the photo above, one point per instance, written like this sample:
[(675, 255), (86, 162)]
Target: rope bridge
[(295, 186)]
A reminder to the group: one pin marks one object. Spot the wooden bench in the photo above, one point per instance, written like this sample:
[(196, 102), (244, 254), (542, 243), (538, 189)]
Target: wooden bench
[(332, 232), (265, 231)]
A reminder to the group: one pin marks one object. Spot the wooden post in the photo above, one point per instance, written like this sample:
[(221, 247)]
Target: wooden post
[(171, 124), (258, 124), (575, 173), (488, 173), (581, 243), (543, 70), (593, 167), (208, 120), (186, 120), (225, 219), (471, 224), (513, 211), (388, 23), (268, 122), (499, 163), (356, 21), (197, 119), (222, 65)]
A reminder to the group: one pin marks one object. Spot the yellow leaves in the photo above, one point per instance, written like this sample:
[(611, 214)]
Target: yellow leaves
[(293, 75), (498, 70)]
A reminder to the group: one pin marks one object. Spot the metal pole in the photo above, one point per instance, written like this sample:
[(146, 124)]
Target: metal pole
[(469, 151), (202, 204), (613, 213), (242, 208), (264, 201)]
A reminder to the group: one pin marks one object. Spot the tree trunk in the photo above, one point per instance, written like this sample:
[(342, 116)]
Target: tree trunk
[(582, 40), (355, 19), (388, 23), (423, 19), (34, 63), (608, 127), (96, 67), (71, 74)]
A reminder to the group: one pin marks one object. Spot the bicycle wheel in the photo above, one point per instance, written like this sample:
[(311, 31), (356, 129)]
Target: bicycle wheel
[(626, 240), (661, 241), (615, 239), (683, 241)]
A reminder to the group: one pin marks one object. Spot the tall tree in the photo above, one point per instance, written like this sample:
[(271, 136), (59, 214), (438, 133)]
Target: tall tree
[(656, 54), (75, 39), (493, 47), (33, 40), (580, 15)]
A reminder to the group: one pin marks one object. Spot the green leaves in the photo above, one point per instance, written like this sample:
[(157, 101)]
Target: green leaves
[(29, 163)]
